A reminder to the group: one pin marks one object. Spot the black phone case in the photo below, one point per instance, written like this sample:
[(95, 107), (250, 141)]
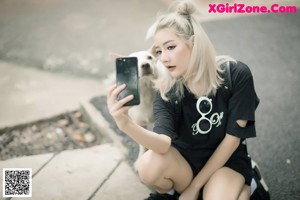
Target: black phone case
[(127, 72)]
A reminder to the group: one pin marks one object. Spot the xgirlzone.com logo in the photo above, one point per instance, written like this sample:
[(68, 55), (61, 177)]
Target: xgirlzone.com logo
[(243, 8)]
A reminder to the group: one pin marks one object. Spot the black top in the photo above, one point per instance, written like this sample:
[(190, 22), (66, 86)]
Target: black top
[(216, 122)]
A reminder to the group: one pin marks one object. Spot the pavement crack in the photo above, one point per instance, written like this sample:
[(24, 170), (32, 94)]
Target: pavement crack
[(106, 179), (46, 163)]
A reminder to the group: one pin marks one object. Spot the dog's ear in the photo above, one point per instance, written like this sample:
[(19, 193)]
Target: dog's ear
[(152, 51), (114, 56)]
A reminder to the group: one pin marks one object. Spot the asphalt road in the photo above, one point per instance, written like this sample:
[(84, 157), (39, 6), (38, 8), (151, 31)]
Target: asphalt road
[(76, 37), (73, 36)]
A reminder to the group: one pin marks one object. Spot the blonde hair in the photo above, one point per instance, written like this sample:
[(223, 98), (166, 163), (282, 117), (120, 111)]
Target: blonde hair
[(203, 73)]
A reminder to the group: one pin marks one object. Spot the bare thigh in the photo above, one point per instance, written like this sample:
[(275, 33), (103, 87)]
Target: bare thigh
[(165, 171), (245, 194), (225, 183)]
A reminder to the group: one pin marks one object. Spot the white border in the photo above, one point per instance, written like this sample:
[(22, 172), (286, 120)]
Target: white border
[(18, 169)]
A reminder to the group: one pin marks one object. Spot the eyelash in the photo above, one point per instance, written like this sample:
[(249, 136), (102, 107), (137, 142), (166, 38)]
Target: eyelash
[(171, 47), (157, 52), (168, 48)]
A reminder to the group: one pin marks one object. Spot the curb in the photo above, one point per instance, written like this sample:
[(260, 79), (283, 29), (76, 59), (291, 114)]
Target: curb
[(101, 125)]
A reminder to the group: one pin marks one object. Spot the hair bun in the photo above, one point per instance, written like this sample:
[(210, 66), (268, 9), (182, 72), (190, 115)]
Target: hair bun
[(185, 7)]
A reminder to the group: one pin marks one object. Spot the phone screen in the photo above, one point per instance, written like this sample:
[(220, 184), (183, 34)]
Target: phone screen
[(127, 72)]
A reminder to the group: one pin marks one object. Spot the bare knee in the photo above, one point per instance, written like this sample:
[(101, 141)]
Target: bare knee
[(151, 166), (225, 183)]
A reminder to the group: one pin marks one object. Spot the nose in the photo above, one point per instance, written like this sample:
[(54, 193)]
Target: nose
[(164, 57), (146, 69), (146, 66)]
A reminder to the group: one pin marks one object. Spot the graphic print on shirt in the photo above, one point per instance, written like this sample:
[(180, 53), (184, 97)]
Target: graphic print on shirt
[(204, 125)]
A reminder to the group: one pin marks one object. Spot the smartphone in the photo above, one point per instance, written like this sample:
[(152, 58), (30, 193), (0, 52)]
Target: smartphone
[(127, 72)]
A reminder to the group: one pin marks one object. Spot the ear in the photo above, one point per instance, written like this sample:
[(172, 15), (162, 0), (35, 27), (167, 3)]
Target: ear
[(114, 56)]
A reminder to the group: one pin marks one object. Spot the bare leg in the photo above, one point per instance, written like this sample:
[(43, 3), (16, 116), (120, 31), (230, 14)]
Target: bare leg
[(245, 194), (225, 183), (165, 171), (141, 152)]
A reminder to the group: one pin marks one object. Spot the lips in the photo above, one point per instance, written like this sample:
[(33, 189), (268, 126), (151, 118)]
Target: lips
[(171, 68)]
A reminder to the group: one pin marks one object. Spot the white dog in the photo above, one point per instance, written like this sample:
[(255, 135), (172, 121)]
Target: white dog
[(142, 114)]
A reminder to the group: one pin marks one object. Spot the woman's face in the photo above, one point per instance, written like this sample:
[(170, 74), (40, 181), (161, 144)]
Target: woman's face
[(173, 51)]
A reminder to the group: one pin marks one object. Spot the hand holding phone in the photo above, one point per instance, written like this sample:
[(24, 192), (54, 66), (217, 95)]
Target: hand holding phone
[(127, 72)]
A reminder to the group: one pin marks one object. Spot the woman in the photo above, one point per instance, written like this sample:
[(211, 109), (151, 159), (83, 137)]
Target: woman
[(205, 156)]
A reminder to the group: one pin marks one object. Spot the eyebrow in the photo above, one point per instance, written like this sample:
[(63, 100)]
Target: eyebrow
[(166, 42)]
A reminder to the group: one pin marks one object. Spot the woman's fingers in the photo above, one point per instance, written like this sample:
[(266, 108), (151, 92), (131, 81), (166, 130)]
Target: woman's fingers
[(116, 91), (110, 89), (120, 104), (113, 93), (120, 111), (116, 107), (125, 100)]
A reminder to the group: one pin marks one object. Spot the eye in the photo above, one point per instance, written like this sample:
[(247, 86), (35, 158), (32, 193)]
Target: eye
[(157, 52), (150, 57), (171, 47)]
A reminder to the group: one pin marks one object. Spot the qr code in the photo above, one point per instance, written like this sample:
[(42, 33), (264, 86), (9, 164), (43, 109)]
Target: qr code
[(17, 182)]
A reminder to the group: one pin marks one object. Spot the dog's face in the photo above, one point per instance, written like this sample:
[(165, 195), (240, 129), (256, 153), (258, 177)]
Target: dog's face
[(146, 64)]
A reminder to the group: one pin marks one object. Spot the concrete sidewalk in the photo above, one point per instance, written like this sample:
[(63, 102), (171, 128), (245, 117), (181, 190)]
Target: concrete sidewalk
[(100, 172), (28, 94)]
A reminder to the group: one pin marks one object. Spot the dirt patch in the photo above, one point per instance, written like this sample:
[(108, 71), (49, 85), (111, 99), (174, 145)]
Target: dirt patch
[(63, 132)]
